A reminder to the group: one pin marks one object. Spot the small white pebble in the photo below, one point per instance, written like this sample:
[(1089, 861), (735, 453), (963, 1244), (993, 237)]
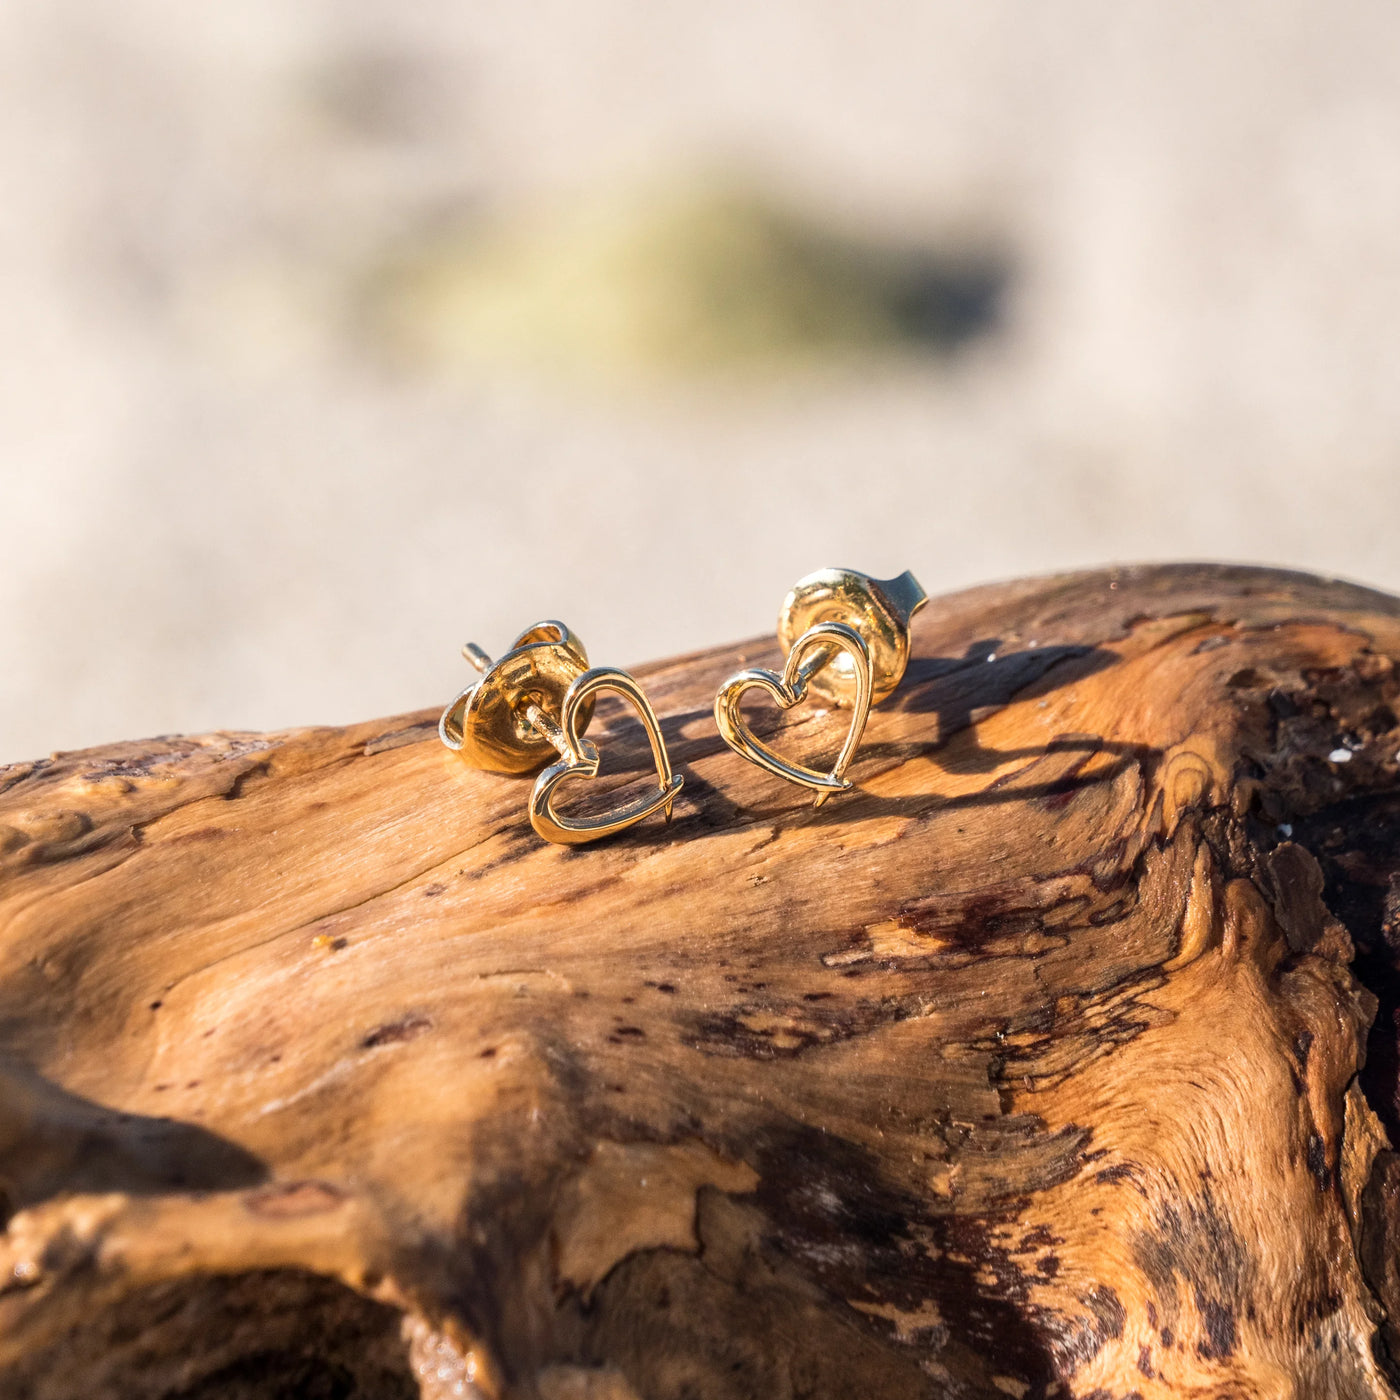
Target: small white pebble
[(1285, 828), (1339, 756), (991, 656)]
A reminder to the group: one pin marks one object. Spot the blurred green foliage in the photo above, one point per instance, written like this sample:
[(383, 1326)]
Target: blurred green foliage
[(704, 277)]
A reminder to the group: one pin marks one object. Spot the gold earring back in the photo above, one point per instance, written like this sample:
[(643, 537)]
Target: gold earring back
[(508, 721)]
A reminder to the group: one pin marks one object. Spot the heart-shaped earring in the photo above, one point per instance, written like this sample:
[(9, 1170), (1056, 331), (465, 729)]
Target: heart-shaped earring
[(847, 639), (536, 701)]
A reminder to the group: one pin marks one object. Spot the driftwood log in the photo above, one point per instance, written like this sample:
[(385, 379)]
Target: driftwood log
[(1058, 1060)]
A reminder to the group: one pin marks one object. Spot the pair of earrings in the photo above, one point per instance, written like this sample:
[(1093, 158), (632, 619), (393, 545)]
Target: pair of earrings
[(847, 640)]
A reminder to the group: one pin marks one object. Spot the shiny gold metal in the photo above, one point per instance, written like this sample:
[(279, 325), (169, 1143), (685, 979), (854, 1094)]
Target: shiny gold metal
[(490, 723), (879, 609), (847, 640), (537, 701), (579, 759)]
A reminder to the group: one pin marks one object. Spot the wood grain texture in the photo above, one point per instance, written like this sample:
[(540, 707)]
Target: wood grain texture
[(1058, 1060)]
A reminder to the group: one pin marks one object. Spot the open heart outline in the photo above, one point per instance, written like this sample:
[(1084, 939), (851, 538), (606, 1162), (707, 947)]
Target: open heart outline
[(581, 762), (790, 689)]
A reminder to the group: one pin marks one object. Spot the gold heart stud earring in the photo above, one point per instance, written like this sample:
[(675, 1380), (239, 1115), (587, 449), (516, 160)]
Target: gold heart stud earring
[(535, 702), (847, 639)]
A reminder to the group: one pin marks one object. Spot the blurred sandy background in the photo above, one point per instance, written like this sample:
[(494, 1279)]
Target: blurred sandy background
[(336, 333)]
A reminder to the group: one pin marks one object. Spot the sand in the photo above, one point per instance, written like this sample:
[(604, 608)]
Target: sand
[(231, 500)]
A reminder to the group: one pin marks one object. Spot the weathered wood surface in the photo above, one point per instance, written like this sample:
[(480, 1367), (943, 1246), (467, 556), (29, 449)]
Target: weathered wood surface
[(1031, 1069)]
